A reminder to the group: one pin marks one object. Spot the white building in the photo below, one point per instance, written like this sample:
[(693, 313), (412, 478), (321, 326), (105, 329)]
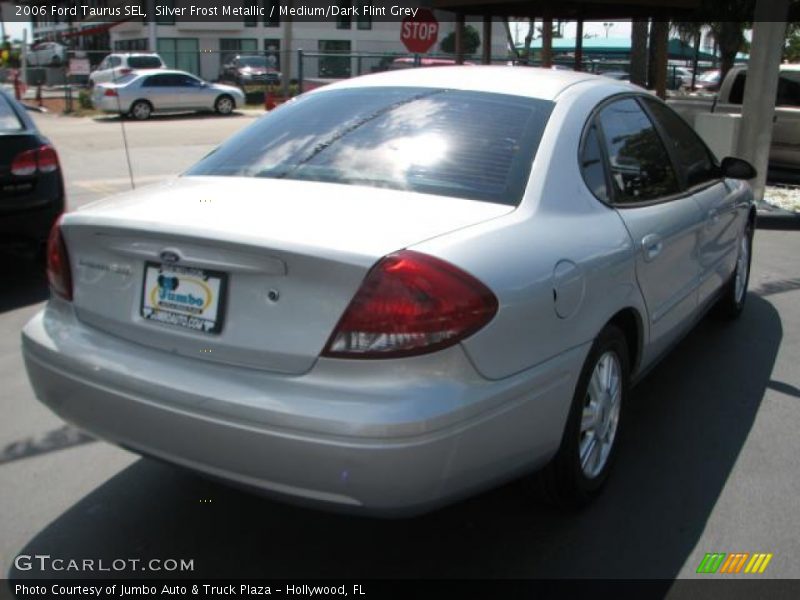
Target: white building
[(202, 47)]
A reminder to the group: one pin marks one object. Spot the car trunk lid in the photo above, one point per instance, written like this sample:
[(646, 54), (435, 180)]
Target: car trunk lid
[(273, 262)]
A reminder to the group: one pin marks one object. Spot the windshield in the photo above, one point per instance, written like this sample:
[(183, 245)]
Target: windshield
[(473, 145), (253, 61)]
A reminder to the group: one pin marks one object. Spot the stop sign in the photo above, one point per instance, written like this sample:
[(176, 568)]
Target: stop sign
[(419, 32)]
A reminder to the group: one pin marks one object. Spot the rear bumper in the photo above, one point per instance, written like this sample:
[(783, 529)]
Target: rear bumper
[(375, 437)]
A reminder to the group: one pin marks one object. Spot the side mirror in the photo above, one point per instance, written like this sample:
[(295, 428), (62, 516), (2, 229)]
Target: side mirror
[(737, 168)]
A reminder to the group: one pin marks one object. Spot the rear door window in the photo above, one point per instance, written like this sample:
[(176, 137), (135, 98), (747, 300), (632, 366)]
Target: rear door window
[(144, 62), (691, 154), (165, 80), (640, 168)]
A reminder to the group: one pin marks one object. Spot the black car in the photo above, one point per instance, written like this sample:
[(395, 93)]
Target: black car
[(31, 185), (251, 73)]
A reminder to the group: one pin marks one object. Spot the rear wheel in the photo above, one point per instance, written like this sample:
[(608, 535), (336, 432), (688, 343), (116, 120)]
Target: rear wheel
[(141, 110), (224, 105), (731, 305), (580, 468)]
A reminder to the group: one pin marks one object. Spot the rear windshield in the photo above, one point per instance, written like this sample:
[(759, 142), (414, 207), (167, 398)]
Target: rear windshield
[(9, 121), (144, 62), (473, 145), (127, 78)]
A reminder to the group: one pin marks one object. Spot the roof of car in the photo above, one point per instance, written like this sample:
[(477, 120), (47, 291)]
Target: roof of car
[(135, 54), (532, 82), (161, 72)]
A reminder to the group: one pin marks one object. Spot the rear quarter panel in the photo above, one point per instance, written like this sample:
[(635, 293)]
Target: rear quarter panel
[(562, 251)]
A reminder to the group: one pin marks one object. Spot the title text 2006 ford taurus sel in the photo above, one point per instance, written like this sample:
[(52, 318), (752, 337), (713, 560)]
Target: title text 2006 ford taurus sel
[(399, 289)]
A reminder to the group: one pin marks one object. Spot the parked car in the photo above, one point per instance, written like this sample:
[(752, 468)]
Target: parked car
[(115, 66), (251, 73), (785, 149), (142, 93), (399, 289), (46, 54), (31, 185), (678, 77), (708, 81)]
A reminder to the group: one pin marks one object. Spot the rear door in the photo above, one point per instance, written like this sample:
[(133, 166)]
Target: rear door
[(191, 93), (162, 92), (663, 221)]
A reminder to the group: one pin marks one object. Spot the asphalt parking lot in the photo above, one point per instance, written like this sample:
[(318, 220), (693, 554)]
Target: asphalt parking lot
[(708, 462)]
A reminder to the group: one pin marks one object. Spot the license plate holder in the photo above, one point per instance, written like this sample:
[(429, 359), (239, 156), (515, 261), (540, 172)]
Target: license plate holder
[(186, 297)]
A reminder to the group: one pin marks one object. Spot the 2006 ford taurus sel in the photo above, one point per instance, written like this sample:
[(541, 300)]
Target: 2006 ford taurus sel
[(397, 290)]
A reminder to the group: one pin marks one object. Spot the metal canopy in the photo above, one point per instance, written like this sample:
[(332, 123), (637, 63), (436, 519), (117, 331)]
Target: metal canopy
[(582, 9)]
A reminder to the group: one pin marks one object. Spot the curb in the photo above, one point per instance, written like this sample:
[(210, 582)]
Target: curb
[(771, 217)]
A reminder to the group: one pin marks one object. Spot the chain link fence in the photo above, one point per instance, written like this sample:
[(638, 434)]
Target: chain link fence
[(62, 82)]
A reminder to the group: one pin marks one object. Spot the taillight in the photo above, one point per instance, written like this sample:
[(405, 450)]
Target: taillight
[(58, 271), (125, 71), (48, 159), (110, 92), (24, 163), (44, 159), (411, 303)]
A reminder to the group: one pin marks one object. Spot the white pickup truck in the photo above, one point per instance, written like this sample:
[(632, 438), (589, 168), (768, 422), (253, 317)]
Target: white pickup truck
[(785, 150)]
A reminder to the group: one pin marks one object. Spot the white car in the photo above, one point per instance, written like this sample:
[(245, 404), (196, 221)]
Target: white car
[(45, 54), (142, 93), (115, 66)]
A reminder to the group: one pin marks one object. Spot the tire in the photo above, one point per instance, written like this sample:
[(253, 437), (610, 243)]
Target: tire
[(55, 61), (141, 110), (224, 105), (733, 299), (580, 468)]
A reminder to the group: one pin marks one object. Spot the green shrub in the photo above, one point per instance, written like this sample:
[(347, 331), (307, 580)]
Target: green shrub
[(85, 99)]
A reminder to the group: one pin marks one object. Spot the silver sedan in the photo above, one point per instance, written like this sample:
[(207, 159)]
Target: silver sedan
[(398, 290), (141, 93)]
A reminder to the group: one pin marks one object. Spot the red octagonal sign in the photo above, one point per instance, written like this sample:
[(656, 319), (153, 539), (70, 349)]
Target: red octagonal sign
[(419, 33)]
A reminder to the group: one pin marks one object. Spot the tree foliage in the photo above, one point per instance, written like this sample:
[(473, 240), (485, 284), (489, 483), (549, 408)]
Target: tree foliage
[(523, 55), (472, 41), (791, 51)]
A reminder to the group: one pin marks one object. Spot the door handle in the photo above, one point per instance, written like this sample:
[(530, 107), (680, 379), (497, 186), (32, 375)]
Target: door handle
[(652, 246), (713, 215)]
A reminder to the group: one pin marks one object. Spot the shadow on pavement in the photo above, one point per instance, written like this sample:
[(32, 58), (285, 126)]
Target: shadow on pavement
[(57, 439), (686, 427), (24, 280)]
